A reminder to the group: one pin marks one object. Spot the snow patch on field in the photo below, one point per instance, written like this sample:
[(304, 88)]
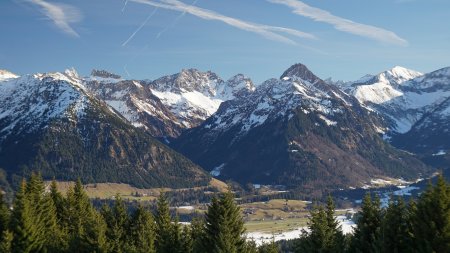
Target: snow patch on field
[(260, 238)]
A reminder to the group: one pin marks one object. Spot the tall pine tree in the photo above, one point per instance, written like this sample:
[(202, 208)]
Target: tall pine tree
[(395, 233), (224, 228), (431, 222), (141, 237), (325, 234), (163, 225), (368, 226)]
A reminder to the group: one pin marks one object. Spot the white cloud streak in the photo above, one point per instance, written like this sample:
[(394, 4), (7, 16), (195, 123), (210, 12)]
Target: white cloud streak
[(140, 27), (342, 24), (62, 15), (269, 32)]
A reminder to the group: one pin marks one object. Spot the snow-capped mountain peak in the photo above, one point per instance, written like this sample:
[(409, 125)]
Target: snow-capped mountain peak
[(5, 74), (31, 101), (299, 71), (397, 75), (188, 80), (237, 86)]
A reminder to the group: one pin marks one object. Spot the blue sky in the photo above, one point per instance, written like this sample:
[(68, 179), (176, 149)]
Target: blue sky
[(343, 39)]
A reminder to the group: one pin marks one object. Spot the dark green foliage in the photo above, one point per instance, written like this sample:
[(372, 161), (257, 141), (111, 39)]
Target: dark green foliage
[(271, 247), (86, 227), (117, 224), (4, 214), (34, 226), (34, 219), (164, 227), (396, 232), (224, 227), (198, 234), (368, 225), (141, 235), (6, 241), (431, 222), (325, 235)]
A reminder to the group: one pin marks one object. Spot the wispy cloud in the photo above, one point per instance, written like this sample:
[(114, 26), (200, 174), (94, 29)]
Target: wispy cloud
[(62, 15), (269, 32), (343, 24)]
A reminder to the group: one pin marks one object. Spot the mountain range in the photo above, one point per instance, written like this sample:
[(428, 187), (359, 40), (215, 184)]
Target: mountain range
[(297, 130)]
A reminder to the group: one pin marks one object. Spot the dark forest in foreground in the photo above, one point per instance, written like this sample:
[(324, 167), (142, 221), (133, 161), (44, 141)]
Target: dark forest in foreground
[(43, 220)]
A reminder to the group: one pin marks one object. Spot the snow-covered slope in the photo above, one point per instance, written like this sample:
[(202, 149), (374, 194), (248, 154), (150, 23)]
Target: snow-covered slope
[(402, 96), (193, 95), (134, 101), (426, 103), (167, 106), (52, 123), (29, 102), (382, 87), (277, 98), (5, 75), (297, 130)]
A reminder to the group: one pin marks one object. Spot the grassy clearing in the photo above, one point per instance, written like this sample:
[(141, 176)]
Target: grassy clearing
[(126, 191), (275, 209), (275, 226)]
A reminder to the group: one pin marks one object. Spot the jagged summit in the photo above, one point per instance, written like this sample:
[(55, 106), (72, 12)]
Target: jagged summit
[(299, 71), (104, 74), (188, 80)]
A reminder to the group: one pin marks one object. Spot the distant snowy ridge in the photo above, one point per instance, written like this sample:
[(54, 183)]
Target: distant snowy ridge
[(4, 75), (29, 102), (193, 96)]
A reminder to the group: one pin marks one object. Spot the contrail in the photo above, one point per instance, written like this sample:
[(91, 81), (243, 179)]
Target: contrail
[(175, 21), (140, 27), (126, 71), (124, 5)]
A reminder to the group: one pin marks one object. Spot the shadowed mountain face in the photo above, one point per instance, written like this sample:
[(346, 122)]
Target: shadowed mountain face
[(298, 131), (415, 108), (53, 124)]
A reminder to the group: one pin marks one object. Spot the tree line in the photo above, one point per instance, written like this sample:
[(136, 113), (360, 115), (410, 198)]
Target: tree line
[(41, 219), (422, 225)]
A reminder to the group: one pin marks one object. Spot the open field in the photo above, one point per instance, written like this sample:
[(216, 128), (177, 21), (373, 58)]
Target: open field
[(126, 191), (275, 226), (275, 209)]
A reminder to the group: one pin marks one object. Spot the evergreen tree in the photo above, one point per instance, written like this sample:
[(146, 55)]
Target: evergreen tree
[(187, 241), (58, 200), (431, 223), (396, 232), (26, 236), (4, 214), (325, 234), (368, 226), (197, 230), (6, 241), (117, 224), (224, 228), (177, 237), (163, 225), (141, 237), (271, 247), (87, 229)]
